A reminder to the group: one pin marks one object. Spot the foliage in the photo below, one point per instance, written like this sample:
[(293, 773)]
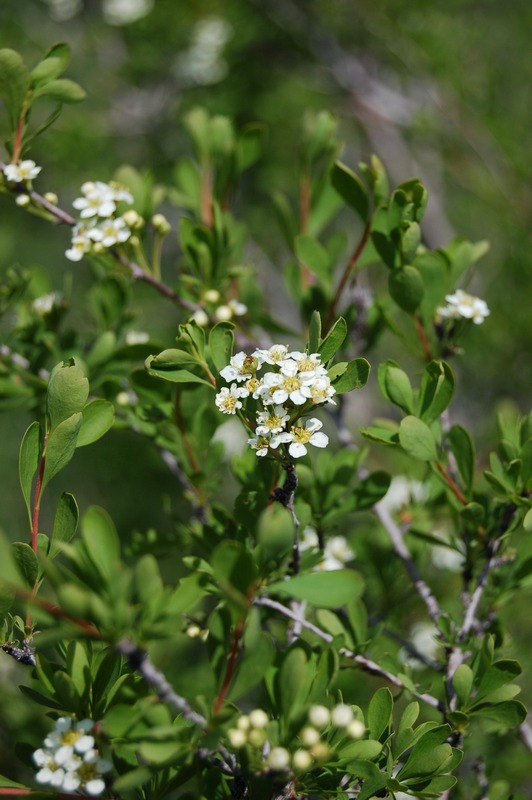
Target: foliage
[(288, 584)]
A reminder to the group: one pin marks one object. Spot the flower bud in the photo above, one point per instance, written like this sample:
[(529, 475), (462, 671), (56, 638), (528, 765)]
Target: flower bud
[(133, 219), (279, 758), (223, 313), (211, 296), (243, 723), (22, 200), (51, 197), (356, 729), (320, 716), (161, 224), (200, 317), (341, 715), (301, 760), (258, 718), (309, 736), (236, 737), (256, 737)]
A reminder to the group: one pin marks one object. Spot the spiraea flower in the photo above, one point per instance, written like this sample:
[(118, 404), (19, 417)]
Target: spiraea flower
[(69, 759), (99, 226), (23, 172), (309, 433), (290, 386), (229, 400), (462, 305)]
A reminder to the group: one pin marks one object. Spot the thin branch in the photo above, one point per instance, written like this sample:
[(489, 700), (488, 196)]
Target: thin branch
[(362, 661), (346, 275), (139, 661), (396, 537)]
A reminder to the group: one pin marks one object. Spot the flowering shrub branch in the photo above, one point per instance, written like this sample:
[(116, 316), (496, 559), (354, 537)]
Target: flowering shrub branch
[(283, 566)]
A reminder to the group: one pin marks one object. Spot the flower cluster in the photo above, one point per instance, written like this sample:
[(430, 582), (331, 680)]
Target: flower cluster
[(296, 380), (69, 759), (462, 305), (313, 747), (99, 227)]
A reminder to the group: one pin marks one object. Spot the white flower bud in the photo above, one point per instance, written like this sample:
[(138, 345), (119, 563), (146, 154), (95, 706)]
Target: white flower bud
[(356, 729), (320, 751), (279, 758), (341, 715), (133, 219), (258, 718), (243, 723), (161, 224), (301, 760), (193, 631), (319, 716), (256, 737), (211, 296), (309, 736), (223, 313), (51, 197), (22, 200), (200, 317), (236, 737)]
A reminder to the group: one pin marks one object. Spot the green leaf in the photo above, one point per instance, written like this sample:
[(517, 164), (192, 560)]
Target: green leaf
[(52, 66), (409, 716), (463, 684), (221, 339), (61, 446), (380, 713), (28, 462), (314, 334), (437, 387), (509, 714), (62, 90), (365, 749), (410, 241), (132, 780), (14, 83), (354, 376), (380, 434), (333, 341), (406, 287), (234, 570), (98, 418), (428, 755), (101, 540), (326, 589), (26, 561), (177, 375), (275, 535), (5, 783), (417, 439), (313, 255), (497, 675), (293, 680), (463, 450), (65, 522), (351, 189), (249, 145), (68, 390), (395, 386), (253, 665)]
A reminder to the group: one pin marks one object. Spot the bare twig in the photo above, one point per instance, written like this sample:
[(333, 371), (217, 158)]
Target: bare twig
[(139, 661), (365, 663), (396, 538)]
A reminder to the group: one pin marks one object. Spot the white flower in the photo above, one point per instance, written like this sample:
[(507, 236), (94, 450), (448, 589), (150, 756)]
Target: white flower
[(99, 199), (80, 245), (282, 387), (464, 305), (307, 364), (402, 492), (241, 367), (423, 639), (45, 303), (321, 391), (228, 400), (262, 443), (337, 553), (269, 423), (110, 232), (276, 354), (308, 435), (23, 172)]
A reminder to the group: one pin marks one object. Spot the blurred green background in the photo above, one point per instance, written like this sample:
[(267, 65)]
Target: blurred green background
[(438, 90)]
